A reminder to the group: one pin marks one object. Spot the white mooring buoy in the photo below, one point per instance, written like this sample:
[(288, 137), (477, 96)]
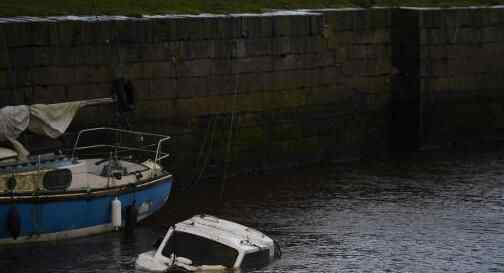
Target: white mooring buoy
[(116, 213)]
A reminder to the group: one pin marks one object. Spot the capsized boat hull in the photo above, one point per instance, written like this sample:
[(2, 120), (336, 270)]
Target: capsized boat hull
[(75, 214)]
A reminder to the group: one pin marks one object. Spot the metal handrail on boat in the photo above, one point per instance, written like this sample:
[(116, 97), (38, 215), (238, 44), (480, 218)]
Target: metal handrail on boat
[(159, 154)]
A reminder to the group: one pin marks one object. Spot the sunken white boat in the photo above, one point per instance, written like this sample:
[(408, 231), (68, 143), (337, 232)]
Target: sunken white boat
[(206, 242), (111, 178)]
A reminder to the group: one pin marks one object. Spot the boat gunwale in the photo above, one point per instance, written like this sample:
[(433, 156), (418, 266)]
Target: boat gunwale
[(83, 194)]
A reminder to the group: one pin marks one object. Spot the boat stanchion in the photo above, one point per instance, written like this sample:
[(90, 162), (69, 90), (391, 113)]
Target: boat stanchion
[(14, 222)]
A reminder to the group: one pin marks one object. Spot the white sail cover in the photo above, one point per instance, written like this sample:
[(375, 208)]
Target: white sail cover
[(50, 120)]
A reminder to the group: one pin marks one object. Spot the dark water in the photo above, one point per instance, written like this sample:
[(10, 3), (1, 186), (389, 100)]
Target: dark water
[(435, 214)]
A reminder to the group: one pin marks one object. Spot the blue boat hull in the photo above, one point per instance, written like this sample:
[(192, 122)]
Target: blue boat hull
[(68, 215)]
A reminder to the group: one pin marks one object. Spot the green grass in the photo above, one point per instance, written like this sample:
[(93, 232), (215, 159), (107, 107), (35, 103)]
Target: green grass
[(137, 7)]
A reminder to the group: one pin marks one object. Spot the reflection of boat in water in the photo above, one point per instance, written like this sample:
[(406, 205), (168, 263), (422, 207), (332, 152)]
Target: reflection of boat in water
[(205, 242), (97, 188)]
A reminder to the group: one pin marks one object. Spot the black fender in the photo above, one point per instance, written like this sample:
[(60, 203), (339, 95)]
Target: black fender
[(14, 222)]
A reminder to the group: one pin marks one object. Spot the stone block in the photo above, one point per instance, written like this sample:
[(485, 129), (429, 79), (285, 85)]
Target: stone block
[(163, 89), (224, 28), (315, 44), (239, 49), (379, 18), (354, 68), (223, 48), (431, 18), (380, 36), (317, 60), (339, 21), (300, 25), (54, 75), (492, 34), (41, 56), (466, 36), (491, 17), (342, 39), (255, 64), (208, 29), (145, 34), (87, 32), (157, 109), (315, 25), (49, 94), (342, 54), (21, 57), (157, 52), (254, 27), (161, 69), (196, 28), (258, 47), (18, 34), (69, 33), (330, 76), (4, 79), (125, 32), (191, 87), (251, 82), (103, 33), (282, 26), (287, 62), (93, 74), (323, 95), (88, 91), (40, 34), (163, 30), (222, 67), (289, 45), (222, 84), (141, 89), (435, 36), (54, 34), (198, 50), (103, 55), (194, 68), (361, 20), (19, 78), (285, 99), (359, 51)]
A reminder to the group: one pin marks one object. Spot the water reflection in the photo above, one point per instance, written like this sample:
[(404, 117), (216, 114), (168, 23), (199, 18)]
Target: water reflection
[(421, 215)]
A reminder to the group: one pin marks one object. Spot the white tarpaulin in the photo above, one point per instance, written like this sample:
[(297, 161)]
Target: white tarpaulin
[(50, 120)]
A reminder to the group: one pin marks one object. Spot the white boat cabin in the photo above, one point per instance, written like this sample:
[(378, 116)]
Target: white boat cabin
[(206, 242)]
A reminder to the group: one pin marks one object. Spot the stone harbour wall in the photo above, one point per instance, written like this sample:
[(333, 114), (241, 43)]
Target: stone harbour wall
[(253, 92), (461, 70)]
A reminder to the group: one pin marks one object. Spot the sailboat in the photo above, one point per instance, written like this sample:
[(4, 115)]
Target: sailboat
[(109, 180)]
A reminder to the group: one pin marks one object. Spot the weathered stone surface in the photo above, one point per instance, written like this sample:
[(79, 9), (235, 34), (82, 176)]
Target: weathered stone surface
[(53, 75), (49, 94), (161, 69), (163, 30), (90, 74), (339, 20), (3, 79), (163, 89), (256, 64), (282, 26), (191, 87), (87, 91), (18, 34)]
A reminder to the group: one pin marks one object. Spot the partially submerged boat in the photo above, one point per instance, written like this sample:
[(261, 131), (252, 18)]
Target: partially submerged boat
[(206, 242), (112, 178)]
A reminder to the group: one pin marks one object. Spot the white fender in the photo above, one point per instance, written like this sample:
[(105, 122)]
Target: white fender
[(116, 213)]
